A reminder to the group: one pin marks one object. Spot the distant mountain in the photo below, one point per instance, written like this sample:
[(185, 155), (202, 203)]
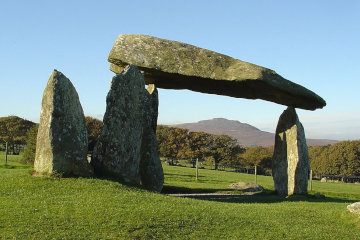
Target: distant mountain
[(246, 134)]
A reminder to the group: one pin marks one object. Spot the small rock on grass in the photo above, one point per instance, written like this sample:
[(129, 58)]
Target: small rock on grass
[(246, 187), (354, 208)]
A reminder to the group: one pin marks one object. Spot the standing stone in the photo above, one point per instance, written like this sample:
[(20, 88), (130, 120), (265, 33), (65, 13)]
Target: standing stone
[(62, 136), (118, 150), (291, 158), (151, 172)]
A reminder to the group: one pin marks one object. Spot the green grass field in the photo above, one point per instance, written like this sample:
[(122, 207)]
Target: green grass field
[(80, 208)]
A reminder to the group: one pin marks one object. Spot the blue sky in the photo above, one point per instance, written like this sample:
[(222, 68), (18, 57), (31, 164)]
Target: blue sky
[(312, 43)]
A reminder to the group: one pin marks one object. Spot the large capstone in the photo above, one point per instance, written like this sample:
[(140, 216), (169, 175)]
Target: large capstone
[(290, 164), (151, 172), (176, 65), (118, 150), (62, 136)]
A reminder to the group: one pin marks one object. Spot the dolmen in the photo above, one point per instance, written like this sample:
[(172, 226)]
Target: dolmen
[(176, 65), (127, 148)]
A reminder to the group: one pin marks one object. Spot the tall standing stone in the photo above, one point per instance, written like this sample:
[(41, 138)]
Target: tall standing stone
[(151, 171), (291, 158), (118, 150), (62, 136)]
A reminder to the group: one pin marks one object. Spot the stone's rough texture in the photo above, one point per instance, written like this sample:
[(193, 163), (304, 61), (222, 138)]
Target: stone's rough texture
[(246, 187), (62, 136), (176, 65), (151, 172), (354, 208), (291, 159), (117, 152)]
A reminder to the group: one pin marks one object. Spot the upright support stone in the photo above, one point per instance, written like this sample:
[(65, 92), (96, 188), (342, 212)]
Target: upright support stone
[(151, 172), (291, 159), (118, 150), (62, 136)]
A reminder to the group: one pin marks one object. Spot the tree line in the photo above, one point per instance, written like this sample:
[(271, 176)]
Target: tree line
[(13, 130), (177, 143), (219, 151), (216, 150), (342, 158)]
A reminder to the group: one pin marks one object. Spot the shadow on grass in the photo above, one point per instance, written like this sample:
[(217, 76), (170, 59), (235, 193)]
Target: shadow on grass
[(180, 175), (15, 166), (174, 189), (110, 179), (266, 196), (273, 198)]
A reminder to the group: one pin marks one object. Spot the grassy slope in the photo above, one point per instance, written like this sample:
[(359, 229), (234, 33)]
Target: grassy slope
[(182, 179), (13, 160), (44, 208)]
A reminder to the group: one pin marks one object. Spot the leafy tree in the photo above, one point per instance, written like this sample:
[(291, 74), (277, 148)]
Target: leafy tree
[(13, 130), (257, 156), (180, 143), (198, 146), (318, 159), (94, 127), (30, 149), (342, 158), (172, 142), (223, 148)]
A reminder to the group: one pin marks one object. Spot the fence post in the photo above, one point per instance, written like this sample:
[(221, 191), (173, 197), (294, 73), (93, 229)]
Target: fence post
[(311, 176), (255, 174), (197, 169), (6, 153)]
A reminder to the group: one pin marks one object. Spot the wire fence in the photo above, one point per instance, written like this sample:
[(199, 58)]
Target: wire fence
[(259, 170)]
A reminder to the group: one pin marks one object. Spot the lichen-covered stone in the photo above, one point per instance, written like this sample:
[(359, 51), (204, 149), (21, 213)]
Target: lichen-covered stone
[(291, 159), (176, 65), (118, 150), (151, 171), (62, 136)]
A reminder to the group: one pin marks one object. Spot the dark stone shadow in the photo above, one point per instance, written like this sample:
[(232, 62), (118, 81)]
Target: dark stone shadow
[(270, 197), (182, 175), (174, 190)]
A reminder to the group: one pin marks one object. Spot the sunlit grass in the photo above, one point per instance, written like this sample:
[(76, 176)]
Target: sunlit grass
[(81, 208)]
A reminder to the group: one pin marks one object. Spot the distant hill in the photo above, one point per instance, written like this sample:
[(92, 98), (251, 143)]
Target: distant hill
[(246, 134)]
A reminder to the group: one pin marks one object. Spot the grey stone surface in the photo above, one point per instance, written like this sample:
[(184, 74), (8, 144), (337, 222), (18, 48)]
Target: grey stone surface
[(246, 187), (62, 136), (118, 150), (354, 208), (151, 172), (176, 65), (291, 159)]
